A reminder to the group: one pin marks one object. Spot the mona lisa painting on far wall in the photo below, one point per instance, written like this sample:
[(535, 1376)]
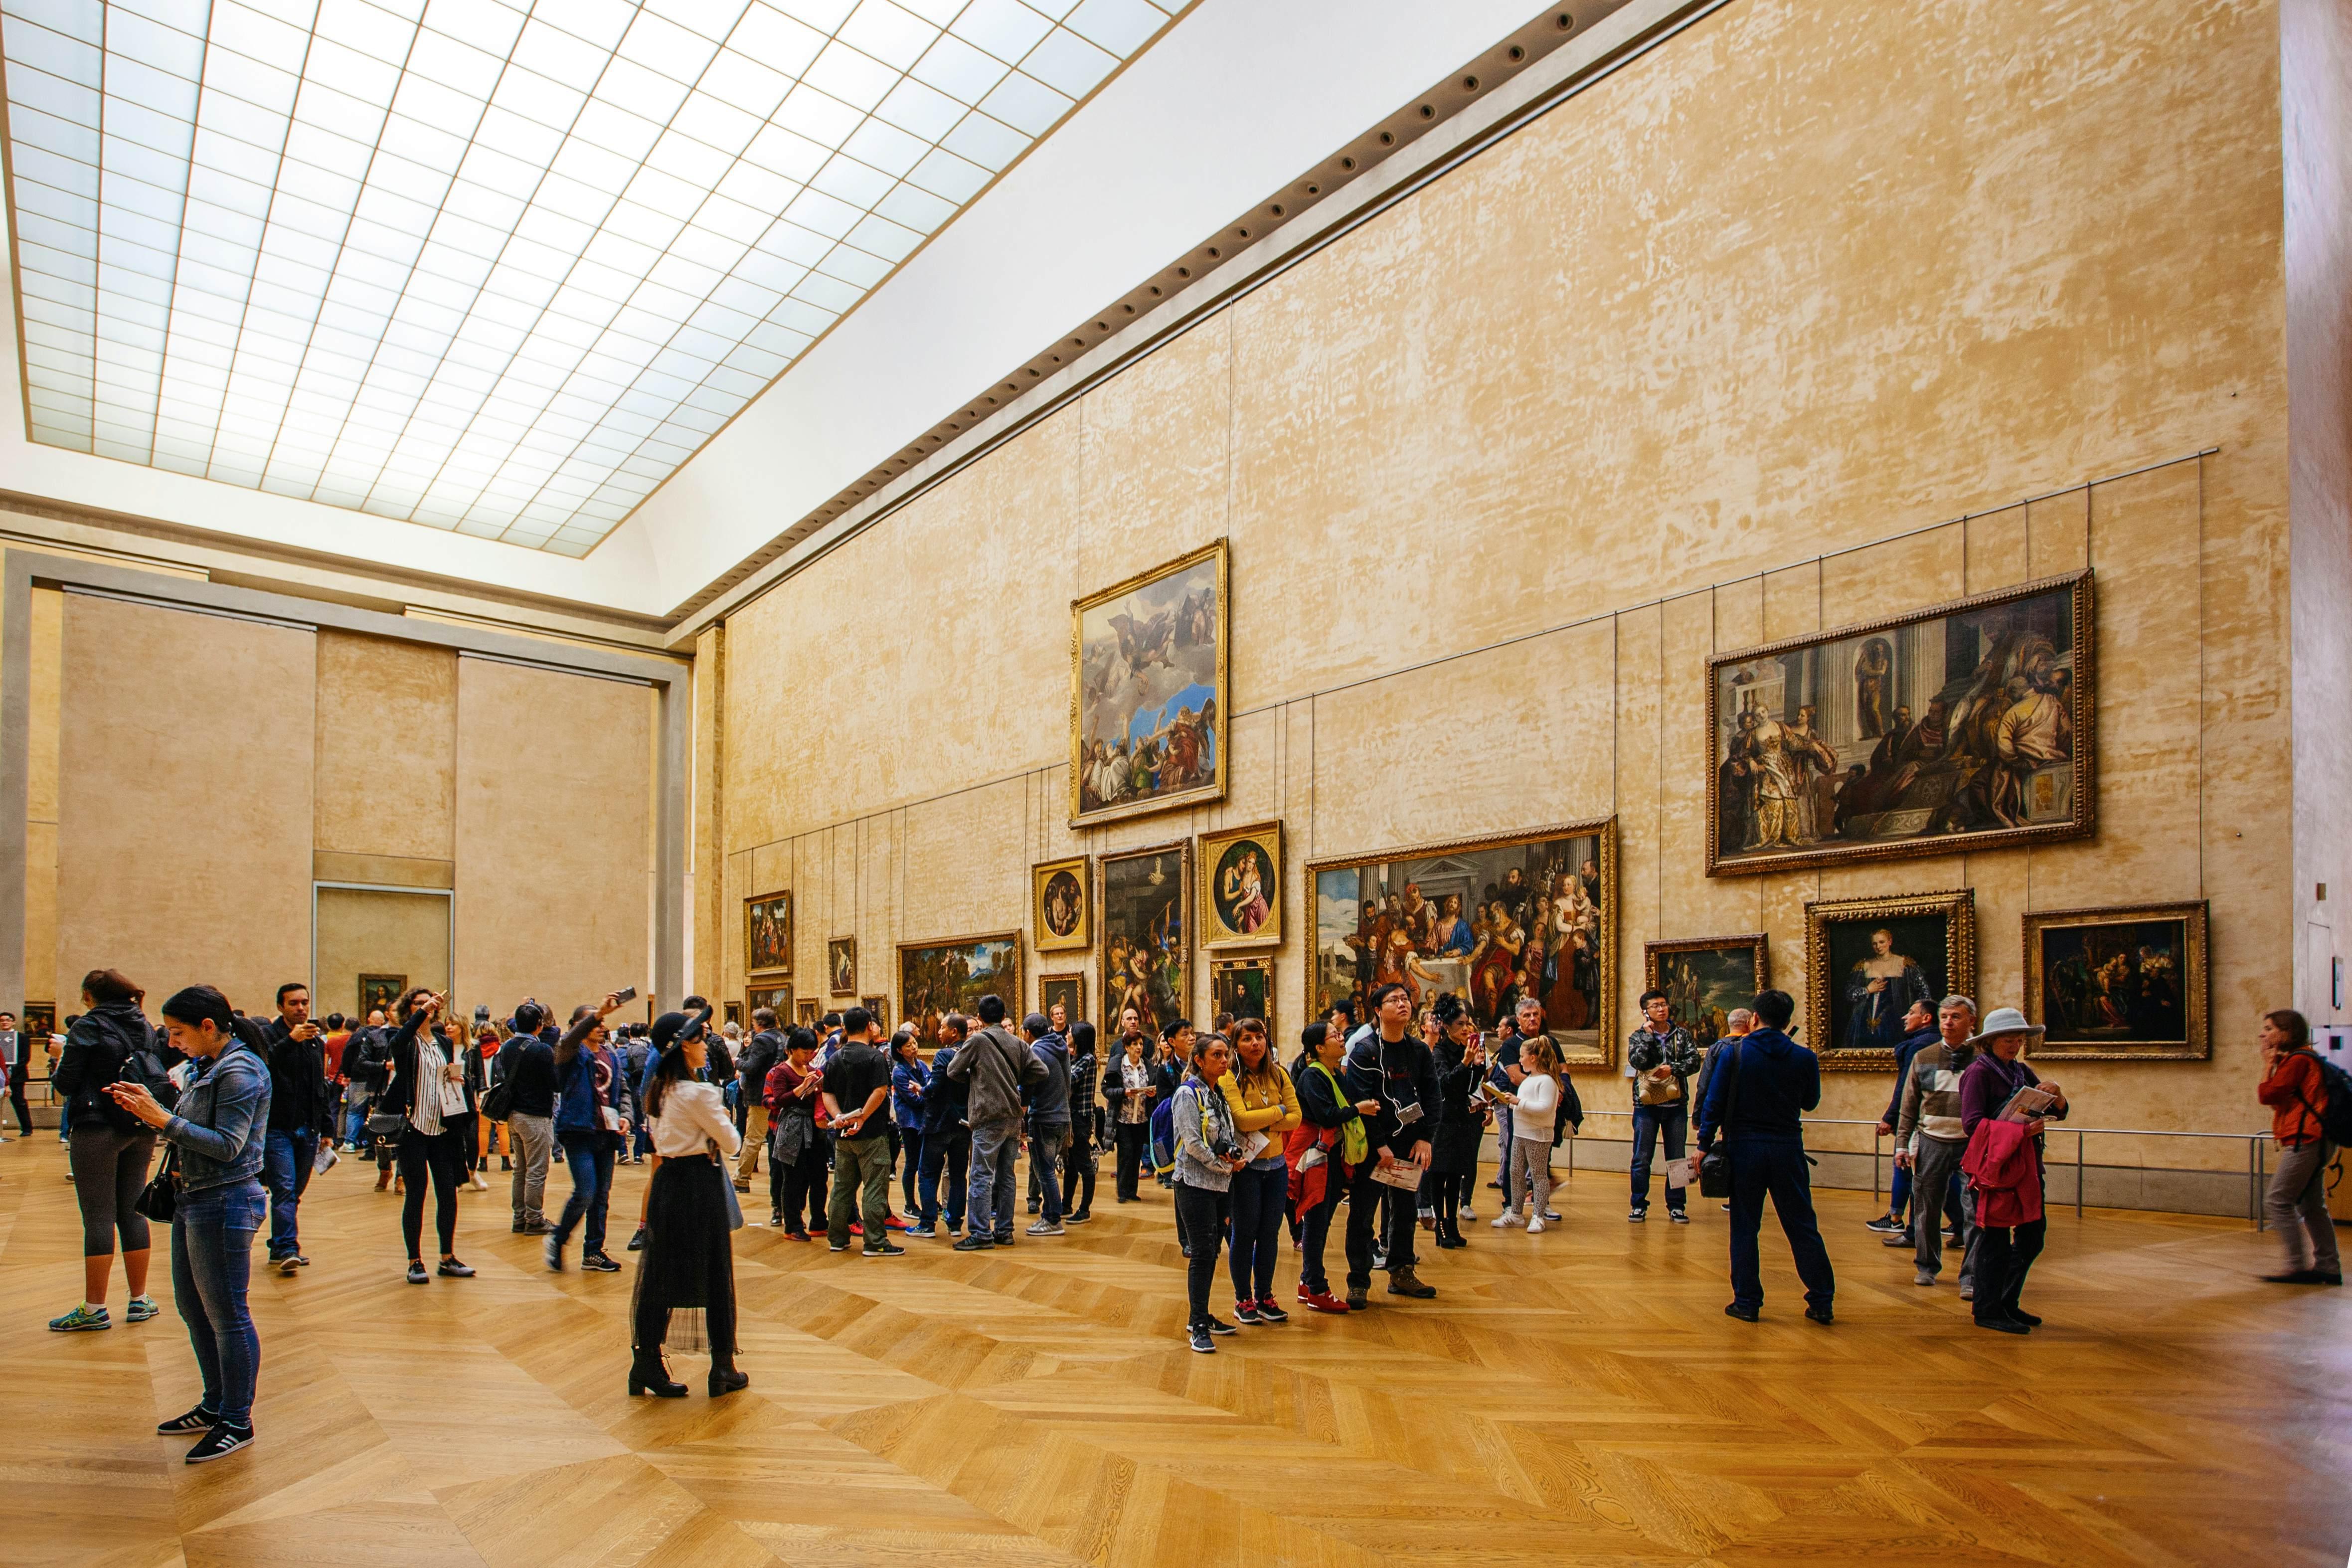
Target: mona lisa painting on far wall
[(1869, 960)]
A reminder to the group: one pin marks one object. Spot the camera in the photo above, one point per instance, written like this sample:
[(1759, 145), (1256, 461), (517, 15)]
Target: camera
[(1225, 1149)]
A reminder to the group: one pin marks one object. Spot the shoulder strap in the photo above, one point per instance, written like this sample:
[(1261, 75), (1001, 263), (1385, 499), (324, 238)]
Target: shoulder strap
[(1731, 1101)]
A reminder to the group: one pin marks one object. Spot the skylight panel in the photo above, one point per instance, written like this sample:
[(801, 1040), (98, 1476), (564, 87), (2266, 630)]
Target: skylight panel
[(488, 267)]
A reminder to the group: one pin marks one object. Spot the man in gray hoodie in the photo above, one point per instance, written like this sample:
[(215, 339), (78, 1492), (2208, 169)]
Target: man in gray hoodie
[(995, 1067)]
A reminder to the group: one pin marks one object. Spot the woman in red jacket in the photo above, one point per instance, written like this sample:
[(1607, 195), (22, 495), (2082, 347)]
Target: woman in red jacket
[(2297, 1201)]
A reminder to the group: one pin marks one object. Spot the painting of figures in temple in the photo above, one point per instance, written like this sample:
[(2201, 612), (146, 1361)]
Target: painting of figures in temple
[(1872, 961), (1147, 962), (1147, 691), (1492, 919), (936, 978), (2118, 983), (1960, 728), (1705, 978), (768, 932)]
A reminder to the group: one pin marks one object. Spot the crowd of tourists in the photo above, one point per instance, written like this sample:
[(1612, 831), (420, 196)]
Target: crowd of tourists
[(1385, 1115)]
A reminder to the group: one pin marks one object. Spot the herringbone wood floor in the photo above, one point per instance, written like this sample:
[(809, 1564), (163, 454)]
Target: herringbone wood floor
[(1569, 1398)]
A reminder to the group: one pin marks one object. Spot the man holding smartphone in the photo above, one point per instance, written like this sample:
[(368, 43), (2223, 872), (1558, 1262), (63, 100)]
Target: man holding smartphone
[(1398, 1071), (300, 1110)]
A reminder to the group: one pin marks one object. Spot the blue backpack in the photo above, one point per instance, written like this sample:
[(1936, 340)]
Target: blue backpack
[(1163, 1135)]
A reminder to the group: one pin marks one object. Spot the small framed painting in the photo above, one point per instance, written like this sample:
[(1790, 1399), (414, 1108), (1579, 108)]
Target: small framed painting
[(778, 998), (1241, 887), (2123, 983), (1067, 992), (808, 1013), (381, 991), (841, 962), (877, 1006), (768, 932), (1062, 916), (1870, 961), (1706, 977), (1243, 987)]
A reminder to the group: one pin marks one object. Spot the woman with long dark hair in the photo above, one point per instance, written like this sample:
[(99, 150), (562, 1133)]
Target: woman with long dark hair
[(218, 1128), (796, 1174), (689, 1267), (426, 1090), (1263, 1101), (1462, 1121), (910, 1078), (108, 1149)]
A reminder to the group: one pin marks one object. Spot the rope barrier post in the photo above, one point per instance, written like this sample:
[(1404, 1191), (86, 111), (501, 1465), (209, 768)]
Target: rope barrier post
[(2078, 1173)]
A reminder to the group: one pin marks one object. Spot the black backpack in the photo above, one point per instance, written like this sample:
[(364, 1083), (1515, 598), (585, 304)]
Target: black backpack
[(2336, 1119), (143, 1066)]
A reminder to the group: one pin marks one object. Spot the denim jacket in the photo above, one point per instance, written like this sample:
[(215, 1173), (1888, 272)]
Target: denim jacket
[(220, 1121)]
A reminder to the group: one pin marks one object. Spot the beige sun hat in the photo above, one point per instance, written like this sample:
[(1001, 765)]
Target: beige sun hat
[(2005, 1021)]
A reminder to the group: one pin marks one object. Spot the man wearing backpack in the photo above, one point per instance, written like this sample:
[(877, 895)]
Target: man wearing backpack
[(2310, 1103), (752, 1067), (300, 1110)]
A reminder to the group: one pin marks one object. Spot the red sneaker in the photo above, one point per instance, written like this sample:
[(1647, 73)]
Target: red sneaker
[(1323, 1302), (892, 1221), (855, 1228)]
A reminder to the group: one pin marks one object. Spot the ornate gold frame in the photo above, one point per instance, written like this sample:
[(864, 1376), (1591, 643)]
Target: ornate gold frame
[(2085, 740), (1264, 963), (879, 1006), (1602, 829), (1080, 867), (1076, 978), (831, 946), (1759, 943), (1959, 907), (2196, 990), (1211, 845), (1019, 967), (1221, 552), (782, 994), (791, 932), (1182, 850)]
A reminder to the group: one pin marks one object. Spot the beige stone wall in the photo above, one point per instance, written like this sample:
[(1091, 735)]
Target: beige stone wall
[(553, 802), (364, 931), (387, 747), (183, 801), (1800, 282)]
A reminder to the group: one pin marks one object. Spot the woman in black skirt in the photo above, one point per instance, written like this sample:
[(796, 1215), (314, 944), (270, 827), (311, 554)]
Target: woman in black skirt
[(1462, 1123), (689, 1263)]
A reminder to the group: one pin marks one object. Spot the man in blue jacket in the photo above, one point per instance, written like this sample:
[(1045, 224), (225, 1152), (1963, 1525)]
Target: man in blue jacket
[(947, 1137), (1756, 1099)]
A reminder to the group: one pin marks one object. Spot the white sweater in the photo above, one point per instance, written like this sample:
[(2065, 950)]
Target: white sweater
[(692, 1115), (1536, 1115)]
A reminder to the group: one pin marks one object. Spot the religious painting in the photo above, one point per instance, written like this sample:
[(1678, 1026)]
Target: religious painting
[(1060, 920), (768, 932), (2122, 983), (41, 1020), (1068, 990), (1492, 919), (1704, 977), (880, 1007), (381, 991), (808, 1013), (841, 962), (936, 978), (1147, 953), (1964, 727), (777, 999), (1241, 887), (1245, 988), (1868, 961), (1147, 691), (733, 1013)]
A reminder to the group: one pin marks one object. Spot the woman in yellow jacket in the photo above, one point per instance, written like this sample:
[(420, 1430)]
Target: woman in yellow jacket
[(1265, 1105)]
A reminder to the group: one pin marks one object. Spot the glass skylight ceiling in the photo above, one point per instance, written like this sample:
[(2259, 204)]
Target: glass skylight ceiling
[(489, 267)]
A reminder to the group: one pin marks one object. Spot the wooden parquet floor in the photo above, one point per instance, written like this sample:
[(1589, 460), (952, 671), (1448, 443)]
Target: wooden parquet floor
[(1576, 1397)]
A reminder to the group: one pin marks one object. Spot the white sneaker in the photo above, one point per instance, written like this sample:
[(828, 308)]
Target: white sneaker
[(1507, 1219), (1535, 1228), (1469, 1213)]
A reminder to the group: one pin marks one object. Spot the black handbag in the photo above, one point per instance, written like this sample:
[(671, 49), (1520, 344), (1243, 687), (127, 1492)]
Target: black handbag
[(161, 1197), (1715, 1165)]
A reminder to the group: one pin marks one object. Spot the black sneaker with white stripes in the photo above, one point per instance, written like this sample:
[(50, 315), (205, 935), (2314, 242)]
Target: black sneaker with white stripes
[(219, 1443), (197, 1420)]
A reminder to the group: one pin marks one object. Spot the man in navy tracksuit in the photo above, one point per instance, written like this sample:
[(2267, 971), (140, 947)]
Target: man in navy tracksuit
[(1755, 1097)]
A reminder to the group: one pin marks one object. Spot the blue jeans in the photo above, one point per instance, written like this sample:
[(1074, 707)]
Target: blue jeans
[(910, 1150), (355, 1124), (1045, 1152), (286, 1168), (988, 1201), (1649, 1120), (212, 1260), (589, 1156), (1777, 1166), (949, 1149)]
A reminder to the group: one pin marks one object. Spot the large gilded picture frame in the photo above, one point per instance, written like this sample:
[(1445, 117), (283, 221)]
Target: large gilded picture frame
[(1858, 988), (1146, 910), (760, 993), (1492, 918), (1061, 905), (768, 934), (953, 973), (2125, 982), (1241, 887), (1706, 977), (1245, 988), (1148, 695), (1967, 726)]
